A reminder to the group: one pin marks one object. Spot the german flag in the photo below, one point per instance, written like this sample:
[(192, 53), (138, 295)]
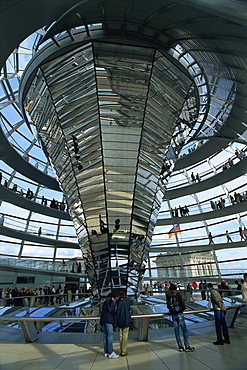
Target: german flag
[(174, 230)]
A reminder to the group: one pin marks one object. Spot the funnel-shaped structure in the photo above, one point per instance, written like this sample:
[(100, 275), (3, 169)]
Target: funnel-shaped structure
[(105, 114)]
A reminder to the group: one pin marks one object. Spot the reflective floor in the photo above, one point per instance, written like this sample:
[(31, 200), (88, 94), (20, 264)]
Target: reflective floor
[(76, 351)]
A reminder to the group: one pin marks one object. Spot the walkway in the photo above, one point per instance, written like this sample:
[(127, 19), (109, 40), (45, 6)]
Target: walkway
[(77, 351)]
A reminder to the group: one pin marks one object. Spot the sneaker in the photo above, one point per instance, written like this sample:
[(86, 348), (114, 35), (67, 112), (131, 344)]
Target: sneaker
[(106, 355), (124, 353), (180, 348), (189, 349), (113, 355), (218, 343)]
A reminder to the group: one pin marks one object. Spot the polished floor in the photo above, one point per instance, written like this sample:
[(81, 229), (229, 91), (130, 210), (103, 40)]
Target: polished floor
[(77, 351)]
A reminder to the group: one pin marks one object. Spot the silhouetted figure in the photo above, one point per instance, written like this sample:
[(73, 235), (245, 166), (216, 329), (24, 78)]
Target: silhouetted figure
[(186, 211), (238, 287), (117, 224), (212, 205), (79, 267), (102, 226), (228, 238), (241, 233), (76, 149), (28, 193), (53, 203), (181, 210), (210, 238), (62, 206), (73, 267)]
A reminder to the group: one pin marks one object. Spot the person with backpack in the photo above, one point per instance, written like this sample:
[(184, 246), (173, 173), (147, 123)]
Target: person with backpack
[(176, 307), (107, 320)]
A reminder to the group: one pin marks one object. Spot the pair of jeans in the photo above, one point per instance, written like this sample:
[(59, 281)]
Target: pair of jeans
[(179, 322), (108, 338), (220, 325)]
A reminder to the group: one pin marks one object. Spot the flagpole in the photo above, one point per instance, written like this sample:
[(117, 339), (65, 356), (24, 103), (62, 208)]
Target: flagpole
[(178, 231)]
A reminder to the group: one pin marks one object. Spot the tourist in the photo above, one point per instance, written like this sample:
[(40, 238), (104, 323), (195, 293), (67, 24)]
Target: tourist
[(107, 321), (176, 307), (123, 307), (219, 315)]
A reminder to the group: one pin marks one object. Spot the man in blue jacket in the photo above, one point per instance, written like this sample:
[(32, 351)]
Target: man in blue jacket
[(123, 321), (107, 321)]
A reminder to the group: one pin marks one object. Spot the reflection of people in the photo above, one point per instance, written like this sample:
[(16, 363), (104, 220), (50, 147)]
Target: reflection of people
[(189, 290), (176, 306), (63, 265), (202, 289), (238, 287), (102, 225), (224, 289), (39, 231), (107, 321), (219, 315), (244, 289), (79, 267), (1, 220), (123, 321), (117, 224)]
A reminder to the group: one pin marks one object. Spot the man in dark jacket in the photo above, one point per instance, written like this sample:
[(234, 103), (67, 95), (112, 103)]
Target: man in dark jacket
[(107, 321), (176, 307), (123, 321)]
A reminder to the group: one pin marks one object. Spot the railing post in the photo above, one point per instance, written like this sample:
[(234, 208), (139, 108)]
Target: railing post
[(29, 332), (143, 328)]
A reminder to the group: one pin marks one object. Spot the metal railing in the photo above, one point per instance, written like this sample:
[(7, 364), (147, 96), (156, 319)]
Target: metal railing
[(30, 332)]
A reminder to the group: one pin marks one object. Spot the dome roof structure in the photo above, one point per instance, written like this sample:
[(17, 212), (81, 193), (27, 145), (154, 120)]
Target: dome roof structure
[(130, 112)]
